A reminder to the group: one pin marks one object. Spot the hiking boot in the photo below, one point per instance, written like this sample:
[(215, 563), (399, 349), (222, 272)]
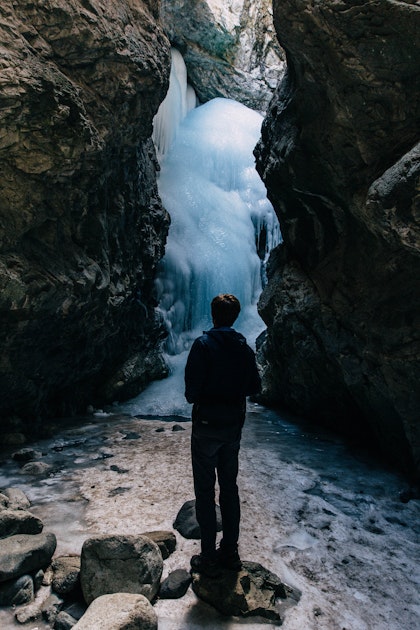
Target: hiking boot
[(205, 566), (229, 558)]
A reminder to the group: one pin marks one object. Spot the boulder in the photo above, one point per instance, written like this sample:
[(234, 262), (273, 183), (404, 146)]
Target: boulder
[(66, 571), (165, 540), (17, 499), (340, 158), (17, 592), (24, 553), (35, 468), (250, 592), (186, 521), (119, 611), (175, 585), (115, 564), (26, 455), (18, 522)]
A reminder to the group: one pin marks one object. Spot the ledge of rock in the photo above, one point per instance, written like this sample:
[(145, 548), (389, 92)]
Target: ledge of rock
[(340, 160), (252, 591), (82, 227)]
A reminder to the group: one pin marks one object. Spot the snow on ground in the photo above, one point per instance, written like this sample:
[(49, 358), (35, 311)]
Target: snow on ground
[(326, 519)]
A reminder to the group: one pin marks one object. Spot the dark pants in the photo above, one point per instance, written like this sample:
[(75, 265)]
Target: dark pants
[(216, 450)]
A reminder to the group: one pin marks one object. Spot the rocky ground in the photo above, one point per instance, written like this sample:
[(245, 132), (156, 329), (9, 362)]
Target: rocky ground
[(323, 517)]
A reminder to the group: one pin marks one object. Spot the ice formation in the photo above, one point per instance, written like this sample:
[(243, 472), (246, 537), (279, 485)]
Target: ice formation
[(222, 224)]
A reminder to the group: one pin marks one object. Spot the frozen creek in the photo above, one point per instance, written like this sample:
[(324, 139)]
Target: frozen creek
[(325, 518)]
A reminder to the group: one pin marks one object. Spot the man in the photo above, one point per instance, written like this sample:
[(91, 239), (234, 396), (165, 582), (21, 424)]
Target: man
[(220, 373)]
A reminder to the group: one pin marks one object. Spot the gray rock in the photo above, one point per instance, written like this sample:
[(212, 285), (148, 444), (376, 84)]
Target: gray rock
[(17, 592), (250, 592), (66, 574), (18, 522), (75, 609), (165, 540), (115, 564), (64, 621), (35, 468), (24, 553), (26, 455), (28, 613), (51, 608), (17, 499), (186, 521), (4, 501), (175, 585), (178, 427), (38, 579), (119, 611)]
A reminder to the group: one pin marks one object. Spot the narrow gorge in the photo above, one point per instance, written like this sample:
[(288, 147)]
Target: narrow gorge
[(83, 228)]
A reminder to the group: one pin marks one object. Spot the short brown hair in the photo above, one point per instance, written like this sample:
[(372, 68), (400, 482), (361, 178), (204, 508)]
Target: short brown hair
[(225, 308)]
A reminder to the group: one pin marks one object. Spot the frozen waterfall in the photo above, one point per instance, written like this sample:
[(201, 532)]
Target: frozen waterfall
[(222, 225)]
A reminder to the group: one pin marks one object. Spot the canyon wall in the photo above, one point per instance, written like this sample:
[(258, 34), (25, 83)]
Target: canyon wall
[(230, 48), (82, 227), (339, 154)]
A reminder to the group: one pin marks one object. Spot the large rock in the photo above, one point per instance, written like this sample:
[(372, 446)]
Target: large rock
[(252, 591), (66, 571), (17, 499), (115, 564), (186, 521), (337, 157), (18, 522), (230, 48), (81, 224), (165, 540), (17, 592), (119, 611), (25, 553)]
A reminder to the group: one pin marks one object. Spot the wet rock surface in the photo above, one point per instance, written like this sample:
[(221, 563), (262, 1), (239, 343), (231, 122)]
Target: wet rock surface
[(82, 227), (338, 161)]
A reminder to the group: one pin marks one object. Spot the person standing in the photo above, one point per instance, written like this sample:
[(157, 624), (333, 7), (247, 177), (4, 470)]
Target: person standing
[(220, 373)]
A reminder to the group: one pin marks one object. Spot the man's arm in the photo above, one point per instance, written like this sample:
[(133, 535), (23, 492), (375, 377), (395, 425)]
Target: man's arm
[(254, 379), (195, 371)]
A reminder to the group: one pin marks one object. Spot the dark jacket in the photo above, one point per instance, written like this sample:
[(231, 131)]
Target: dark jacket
[(220, 373)]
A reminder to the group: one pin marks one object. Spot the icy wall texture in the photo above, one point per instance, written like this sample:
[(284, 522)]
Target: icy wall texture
[(82, 227), (230, 48), (339, 157)]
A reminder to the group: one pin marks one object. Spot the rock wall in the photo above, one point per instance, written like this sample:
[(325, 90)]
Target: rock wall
[(340, 159), (230, 48), (82, 227)]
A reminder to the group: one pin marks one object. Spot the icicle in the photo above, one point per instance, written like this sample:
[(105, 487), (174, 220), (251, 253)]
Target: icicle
[(179, 99)]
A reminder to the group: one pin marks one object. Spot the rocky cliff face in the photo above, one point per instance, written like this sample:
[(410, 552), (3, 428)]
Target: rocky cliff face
[(340, 158), (82, 227), (230, 48)]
